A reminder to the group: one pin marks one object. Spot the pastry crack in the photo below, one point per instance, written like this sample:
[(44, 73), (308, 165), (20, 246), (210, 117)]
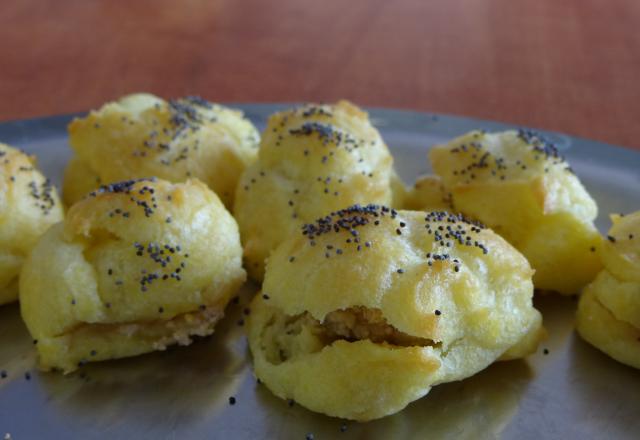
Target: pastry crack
[(288, 337)]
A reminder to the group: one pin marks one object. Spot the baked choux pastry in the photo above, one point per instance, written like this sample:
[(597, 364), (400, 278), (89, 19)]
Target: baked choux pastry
[(136, 266), (621, 249), (518, 184), (427, 194), (142, 135), (599, 327), (312, 160), (79, 180), (399, 191), (366, 309), (609, 311), (29, 205), (621, 297)]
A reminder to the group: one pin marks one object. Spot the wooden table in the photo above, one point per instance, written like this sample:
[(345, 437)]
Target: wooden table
[(566, 65)]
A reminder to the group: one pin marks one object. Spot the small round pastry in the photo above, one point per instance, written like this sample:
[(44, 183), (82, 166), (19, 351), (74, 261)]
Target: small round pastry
[(427, 194), (518, 184), (312, 160), (135, 267), (621, 250), (367, 308), (29, 205), (600, 328), (618, 286), (620, 297), (609, 312), (142, 135)]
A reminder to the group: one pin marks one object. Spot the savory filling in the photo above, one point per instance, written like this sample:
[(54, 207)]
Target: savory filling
[(287, 337), (150, 335)]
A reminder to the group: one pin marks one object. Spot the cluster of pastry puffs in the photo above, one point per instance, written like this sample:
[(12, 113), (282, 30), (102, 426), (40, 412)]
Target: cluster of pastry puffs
[(371, 294), (148, 255), (518, 183), (312, 160)]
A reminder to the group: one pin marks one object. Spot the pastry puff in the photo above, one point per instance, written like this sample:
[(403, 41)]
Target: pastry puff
[(135, 267), (518, 184), (609, 310), (29, 205), (427, 194), (141, 135), (366, 309), (312, 160)]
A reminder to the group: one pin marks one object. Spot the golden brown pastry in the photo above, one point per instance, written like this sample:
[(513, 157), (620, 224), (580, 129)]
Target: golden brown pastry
[(599, 327), (399, 191), (609, 310), (364, 310), (518, 184), (312, 160), (142, 135), (621, 250), (79, 180), (29, 205), (135, 267), (427, 194)]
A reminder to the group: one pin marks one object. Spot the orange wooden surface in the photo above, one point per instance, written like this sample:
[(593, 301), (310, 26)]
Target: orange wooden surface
[(566, 65)]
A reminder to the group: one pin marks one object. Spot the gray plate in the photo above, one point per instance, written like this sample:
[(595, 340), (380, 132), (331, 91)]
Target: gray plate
[(572, 392)]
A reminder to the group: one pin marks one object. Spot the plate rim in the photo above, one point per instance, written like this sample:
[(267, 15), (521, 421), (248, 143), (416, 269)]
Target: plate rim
[(16, 128)]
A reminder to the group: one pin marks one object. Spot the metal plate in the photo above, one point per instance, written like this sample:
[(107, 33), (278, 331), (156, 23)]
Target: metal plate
[(574, 391)]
